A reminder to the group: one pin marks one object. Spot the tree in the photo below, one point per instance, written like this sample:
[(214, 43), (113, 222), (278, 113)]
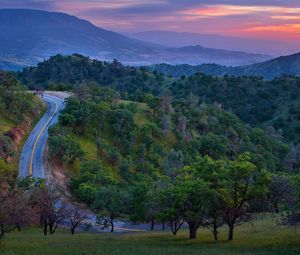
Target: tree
[(153, 204), (64, 148), (166, 103), (182, 127), (281, 190), (111, 202), (173, 163), (171, 211), (292, 159), (14, 210), (192, 100), (49, 208), (166, 124), (73, 218), (242, 183), (210, 171), (154, 103), (191, 193)]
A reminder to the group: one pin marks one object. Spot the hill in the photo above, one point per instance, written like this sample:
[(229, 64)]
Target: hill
[(285, 65), (18, 111), (244, 96), (47, 33), (182, 39)]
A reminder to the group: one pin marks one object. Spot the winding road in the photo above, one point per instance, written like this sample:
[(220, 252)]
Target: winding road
[(31, 160), (32, 164)]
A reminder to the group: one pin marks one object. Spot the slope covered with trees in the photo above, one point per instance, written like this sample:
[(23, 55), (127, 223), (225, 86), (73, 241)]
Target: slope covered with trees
[(202, 151), (271, 69), (166, 160), (18, 109), (244, 96)]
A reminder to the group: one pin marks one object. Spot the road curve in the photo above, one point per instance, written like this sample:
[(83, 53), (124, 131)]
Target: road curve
[(31, 159)]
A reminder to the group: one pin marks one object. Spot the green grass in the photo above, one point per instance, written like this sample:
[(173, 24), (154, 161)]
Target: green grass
[(5, 125), (264, 238), (88, 146)]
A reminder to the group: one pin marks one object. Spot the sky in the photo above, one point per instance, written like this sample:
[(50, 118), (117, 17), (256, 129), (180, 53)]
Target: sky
[(279, 19)]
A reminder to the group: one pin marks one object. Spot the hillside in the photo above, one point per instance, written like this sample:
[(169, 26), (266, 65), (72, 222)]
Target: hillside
[(46, 33), (244, 96), (285, 65), (102, 140), (18, 112)]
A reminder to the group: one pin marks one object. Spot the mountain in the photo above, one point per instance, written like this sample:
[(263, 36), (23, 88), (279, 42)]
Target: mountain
[(285, 65), (30, 36), (181, 39)]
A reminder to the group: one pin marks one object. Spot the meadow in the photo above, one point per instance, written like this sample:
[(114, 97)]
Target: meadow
[(263, 237)]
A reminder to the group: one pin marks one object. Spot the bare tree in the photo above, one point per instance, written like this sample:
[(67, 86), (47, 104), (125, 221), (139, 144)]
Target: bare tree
[(49, 209), (74, 217), (166, 103), (292, 160), (192, 100), (182, 127), (166, 124), (14, 210)]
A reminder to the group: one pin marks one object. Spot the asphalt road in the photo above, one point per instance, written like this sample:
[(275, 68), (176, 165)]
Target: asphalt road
[(31, 161)]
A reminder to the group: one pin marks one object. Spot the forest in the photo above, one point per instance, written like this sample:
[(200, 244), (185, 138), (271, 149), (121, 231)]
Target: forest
[(197, 152)]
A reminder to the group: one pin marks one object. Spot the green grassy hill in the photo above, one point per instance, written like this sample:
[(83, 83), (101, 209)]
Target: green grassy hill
[(101, 136), (19, 111)]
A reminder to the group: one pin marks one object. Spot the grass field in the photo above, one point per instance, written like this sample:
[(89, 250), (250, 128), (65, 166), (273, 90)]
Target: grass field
[(264, 238)]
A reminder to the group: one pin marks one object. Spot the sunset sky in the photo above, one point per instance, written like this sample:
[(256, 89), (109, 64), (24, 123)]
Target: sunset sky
[(278, 19)]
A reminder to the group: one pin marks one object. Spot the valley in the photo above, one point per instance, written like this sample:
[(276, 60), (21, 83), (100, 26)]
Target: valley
[(149, 127)]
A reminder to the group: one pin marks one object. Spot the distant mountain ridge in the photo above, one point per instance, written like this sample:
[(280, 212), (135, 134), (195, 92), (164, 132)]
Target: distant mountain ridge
[(254, 45), (285, 65), (30, 36)]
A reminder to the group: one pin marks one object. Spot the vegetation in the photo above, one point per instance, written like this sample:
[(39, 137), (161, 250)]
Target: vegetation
[(196, 152), (169, 161), (18, 110), (264, 237), (271, 69), (244, 96)]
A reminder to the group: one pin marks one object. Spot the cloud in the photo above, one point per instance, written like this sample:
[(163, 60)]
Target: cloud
[(29, 4), (287, 28), (229, 17)]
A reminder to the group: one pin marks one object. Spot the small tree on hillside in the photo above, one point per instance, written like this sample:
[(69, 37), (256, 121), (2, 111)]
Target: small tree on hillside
[(111, 202), (242, 183)]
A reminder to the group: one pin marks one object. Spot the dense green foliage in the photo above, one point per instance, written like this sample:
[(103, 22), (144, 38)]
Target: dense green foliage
[(61, 72), (17, 106), (143, 146), (272, 104), (274, 68), (15, 102), (200, 150), (254, 100)]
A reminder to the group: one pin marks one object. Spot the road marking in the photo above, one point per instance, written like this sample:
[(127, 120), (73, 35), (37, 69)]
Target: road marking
[(38, 138)]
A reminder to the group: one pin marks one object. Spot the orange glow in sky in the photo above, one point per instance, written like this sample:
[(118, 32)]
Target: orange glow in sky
[(257, 18)]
